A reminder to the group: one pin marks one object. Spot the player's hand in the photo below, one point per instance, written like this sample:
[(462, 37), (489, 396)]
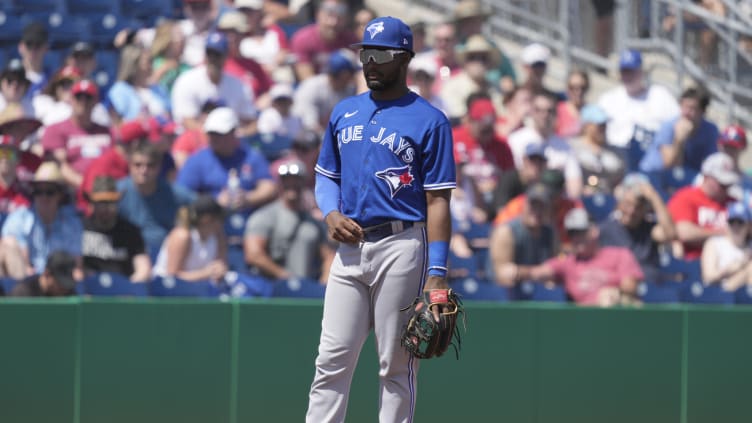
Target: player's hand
[(436, 282), (343, 229)]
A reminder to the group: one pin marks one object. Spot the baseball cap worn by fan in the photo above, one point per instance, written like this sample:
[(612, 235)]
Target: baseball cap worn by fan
[(733, 136), (592, 113), (233, 21), (535, 53), (104, 189), (738, 210), (630, 60), (281, 91), (60, 265), (720, 166), (14, 70), (387, 32), (478, 44), (535, 150), (576, 220), (85, 86), (482, 109), (538, 192), (35, 33), (341, 60), (217, 41), (249, 4), (221, 120)]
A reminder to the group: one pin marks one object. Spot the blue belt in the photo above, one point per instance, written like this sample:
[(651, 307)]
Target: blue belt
[(378, 232)]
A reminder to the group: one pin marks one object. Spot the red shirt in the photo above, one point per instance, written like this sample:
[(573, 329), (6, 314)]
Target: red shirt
[(81, 145), (110, 163), (479, 156), (250, 72), (584, 279), (12, 198), (691, 204), (309, 47), (190, 141)]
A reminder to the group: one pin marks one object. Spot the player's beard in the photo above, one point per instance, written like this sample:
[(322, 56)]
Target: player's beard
[(384, 83)]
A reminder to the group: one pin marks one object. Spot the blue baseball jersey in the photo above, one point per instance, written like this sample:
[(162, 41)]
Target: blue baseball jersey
[(385, 155)]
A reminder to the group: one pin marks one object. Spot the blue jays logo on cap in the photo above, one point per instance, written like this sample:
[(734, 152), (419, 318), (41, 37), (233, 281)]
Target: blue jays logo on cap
[(387, 32), (375, 28), (397, 178)]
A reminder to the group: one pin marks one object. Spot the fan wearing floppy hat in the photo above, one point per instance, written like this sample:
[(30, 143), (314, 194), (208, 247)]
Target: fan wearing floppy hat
[(700, 211), (110, 242), (313, 43), (477, 56), (29, 235)]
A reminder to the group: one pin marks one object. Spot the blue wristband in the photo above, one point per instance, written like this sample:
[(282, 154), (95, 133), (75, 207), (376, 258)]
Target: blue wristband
[(438, 251), (327, 194)]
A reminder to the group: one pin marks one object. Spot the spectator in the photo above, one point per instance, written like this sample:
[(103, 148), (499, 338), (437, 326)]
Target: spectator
[(699, 211), (75, 142), (234, 25), (604, 27), (29, 235), (166, 51), (444, 54), (13, 192), (635, 109), (13, 88), (149, 202), (733, 141), (202, 83), (200, 18), (527, 240), (361, 19), (132, 96), (591, 274), (19, 130), (32, 48), (111, 243), (518, 105), (685, 140), (82, 57), (602, 165), (53, 104), (477, 57), (469, 18), (568, 112), (193, 139), (422, 77), (725, 258), (315, 97), (56, 280), (278, 119), (209, 170), (559, 153), (265, 41), (535, 61), (641, 223), (707, 51), (467, 209), (313, 43), (516, 181), (282, 239), (487, 154), (196, 249)]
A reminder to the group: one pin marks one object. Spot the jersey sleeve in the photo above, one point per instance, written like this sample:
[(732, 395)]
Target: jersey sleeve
[(439, 168), (329, 163)]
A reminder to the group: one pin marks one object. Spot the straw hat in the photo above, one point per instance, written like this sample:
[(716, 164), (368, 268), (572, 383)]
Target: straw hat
[(479, 44), (48, 172), (470, 9)]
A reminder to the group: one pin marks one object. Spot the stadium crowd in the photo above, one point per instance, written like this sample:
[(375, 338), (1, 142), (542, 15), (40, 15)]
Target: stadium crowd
[(194, 159)]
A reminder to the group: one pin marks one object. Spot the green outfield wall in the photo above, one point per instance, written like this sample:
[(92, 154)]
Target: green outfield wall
[(184, 361)]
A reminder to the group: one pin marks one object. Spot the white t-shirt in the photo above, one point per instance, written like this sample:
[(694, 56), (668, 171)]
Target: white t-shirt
[(314, 100), (263, 50), (49, 111), (193, 88), (200, 254), (270, 121), (647, 111)]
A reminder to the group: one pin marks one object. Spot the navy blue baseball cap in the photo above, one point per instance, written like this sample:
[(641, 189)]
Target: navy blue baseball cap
[(387, 32), (217, 41), (630, 60)]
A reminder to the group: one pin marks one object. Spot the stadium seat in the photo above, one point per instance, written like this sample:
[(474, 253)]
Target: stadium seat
[(680, 270), (659, 292), (272, 146), (298, 288), (106, 72), (147, 10), (104, 27), (64, 29), (743, 295), (668, 181), (53, 60), (477, 289), (38, 5), (462, 267), (699, 293), (599, 205), (7, 284), (93, 6), (174, 287), (10, 29), (245, 285), (113, 284), (538, 291)]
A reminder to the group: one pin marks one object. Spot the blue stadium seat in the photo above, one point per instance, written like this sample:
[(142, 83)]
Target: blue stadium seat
[(106, 72), (7, 284), (64, 29), (94, 6), (477, 289), (38, 5), (174, 287), (462, 267), (538, 291), (272, 146), (743, 295), (659, 292), (669, 180), (680, 270), (599, 205), (113, 284), (699, 293), (147, 10), (10, 29), (298, 288), (104, 27), (53, 60), (245, 285)]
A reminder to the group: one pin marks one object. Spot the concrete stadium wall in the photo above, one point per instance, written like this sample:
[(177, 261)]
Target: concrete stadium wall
[(99, 360)]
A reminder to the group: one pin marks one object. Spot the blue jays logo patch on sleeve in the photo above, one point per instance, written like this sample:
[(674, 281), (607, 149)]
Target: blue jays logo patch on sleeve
[(397, 178), (375, 28)]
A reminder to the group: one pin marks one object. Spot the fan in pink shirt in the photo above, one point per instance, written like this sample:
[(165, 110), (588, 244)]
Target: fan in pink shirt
[(592, 275)]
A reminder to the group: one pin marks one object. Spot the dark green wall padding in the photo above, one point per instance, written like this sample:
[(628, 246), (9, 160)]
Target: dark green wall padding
[(184, 361)]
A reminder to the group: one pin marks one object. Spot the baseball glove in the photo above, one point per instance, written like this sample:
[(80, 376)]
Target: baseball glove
[(423, 336)]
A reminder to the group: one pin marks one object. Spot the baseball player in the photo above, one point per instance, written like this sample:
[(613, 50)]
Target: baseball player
[(383, 182)]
